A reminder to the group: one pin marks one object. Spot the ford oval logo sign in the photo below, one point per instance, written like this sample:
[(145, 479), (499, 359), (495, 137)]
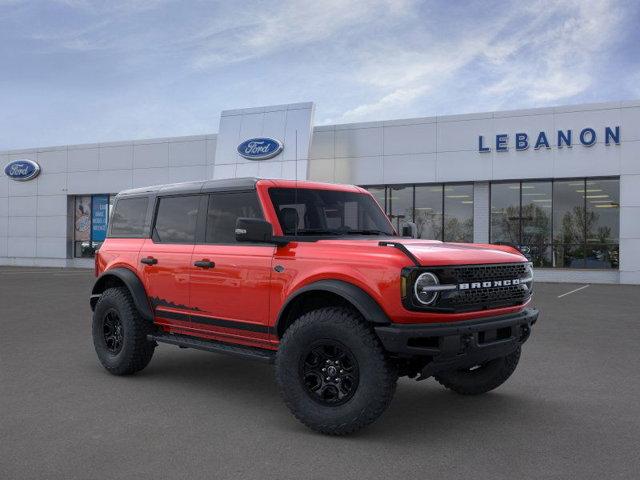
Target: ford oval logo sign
[(22, 170), (260, 148)]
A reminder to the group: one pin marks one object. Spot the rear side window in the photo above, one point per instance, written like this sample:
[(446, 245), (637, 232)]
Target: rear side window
[(224, 209), (176, 219), (127, 219)]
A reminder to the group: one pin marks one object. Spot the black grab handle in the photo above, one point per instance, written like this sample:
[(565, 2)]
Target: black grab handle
[(149, 261), (204, 264)]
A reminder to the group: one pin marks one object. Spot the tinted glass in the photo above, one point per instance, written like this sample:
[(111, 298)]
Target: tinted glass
[(569, 223), (536, 221), (458, 213), (569, 211), (176, 220), (603, 211), (378, 194), (127, 219), (400, 203), (505, 213), (224, 209), (603, 223), (428, 211), (328, 212)]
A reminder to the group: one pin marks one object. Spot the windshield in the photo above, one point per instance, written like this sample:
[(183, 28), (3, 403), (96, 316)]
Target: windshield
[(308, 212)]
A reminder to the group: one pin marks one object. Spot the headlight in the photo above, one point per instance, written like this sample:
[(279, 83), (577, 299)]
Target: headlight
[(528, 276), (425, 288)]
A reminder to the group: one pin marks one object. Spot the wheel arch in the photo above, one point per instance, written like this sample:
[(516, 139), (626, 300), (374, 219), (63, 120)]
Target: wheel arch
[(119, 277), (329, 293)]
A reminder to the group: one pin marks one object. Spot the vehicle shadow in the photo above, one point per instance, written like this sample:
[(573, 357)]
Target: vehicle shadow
[(418, 408)]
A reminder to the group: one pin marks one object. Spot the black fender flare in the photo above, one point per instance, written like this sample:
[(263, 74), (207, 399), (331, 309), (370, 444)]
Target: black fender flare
[(361, 300), (132, 282)]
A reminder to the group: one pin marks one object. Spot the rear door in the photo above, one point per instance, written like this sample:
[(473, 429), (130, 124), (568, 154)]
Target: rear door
[(165, 259), (230, 281)]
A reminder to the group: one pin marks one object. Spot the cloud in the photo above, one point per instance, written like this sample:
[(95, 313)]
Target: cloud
[(541, 53), (125, 69), (287, 25), (552, 61)]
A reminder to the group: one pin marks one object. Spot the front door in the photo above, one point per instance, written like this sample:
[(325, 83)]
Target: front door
[(165, 260), (230, 281)]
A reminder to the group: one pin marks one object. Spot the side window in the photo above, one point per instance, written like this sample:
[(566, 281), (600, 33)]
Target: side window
[(176, 219), (127, 219), (224, 209)]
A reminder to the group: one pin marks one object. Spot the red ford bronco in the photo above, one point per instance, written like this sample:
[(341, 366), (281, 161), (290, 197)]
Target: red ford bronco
[(311, 277)]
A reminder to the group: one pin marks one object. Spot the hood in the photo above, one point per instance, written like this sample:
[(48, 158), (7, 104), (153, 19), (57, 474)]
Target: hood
[(435, 253), (431, 253)]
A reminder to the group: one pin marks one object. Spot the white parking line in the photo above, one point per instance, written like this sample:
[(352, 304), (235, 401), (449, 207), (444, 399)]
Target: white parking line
[(573, 291)]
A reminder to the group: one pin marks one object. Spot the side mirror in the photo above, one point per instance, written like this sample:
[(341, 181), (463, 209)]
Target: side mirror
[(255, 230), (410, 230)]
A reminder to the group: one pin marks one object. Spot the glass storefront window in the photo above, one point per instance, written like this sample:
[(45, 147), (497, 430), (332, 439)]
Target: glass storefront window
[(603, 224), (91, 217), (505, 213), (568, 212), (428, 211), (564, 223), (536, 221), (568, 223), (440, 212), (458, 213), (400, 205)]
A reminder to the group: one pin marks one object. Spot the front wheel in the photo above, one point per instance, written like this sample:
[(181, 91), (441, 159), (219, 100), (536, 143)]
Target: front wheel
[(333, 373), (120, 333), (480, 378)]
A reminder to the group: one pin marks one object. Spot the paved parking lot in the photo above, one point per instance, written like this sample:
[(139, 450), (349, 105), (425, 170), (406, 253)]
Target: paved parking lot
[(571, 410)]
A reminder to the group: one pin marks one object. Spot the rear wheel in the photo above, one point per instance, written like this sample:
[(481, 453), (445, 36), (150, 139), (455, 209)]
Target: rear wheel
[(480, 378), (120, 333), (333, 373)]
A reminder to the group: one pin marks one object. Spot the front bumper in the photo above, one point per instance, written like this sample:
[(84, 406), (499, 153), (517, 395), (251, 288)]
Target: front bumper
[(448, 346)]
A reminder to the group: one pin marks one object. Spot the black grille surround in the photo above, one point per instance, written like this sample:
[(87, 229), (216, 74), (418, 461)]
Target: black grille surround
[(471, 299)]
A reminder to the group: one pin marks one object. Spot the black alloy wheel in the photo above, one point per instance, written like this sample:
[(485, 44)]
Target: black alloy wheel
[(112, 331), (329, 372)]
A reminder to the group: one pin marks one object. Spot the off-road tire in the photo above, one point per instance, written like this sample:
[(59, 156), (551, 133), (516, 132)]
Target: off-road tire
[(136, 351), (376, 380), (482, 379)]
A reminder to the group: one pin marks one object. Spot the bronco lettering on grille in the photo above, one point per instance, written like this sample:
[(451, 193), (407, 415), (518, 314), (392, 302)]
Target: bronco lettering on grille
[(489, 284)]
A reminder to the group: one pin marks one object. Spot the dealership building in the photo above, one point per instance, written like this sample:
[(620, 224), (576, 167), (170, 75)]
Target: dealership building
[(561, 183)]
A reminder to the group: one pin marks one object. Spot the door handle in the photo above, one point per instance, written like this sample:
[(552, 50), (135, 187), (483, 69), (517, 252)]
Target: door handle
[(204, 264), (149, 261)]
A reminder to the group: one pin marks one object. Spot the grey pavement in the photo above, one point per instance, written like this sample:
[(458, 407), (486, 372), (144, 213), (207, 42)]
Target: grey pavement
[(571, 410)]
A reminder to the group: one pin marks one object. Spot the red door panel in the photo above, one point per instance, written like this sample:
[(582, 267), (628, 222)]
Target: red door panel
[(231, 299), (167, 281)]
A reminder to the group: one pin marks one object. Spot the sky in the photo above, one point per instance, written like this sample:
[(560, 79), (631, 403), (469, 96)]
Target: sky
[(80, 71)]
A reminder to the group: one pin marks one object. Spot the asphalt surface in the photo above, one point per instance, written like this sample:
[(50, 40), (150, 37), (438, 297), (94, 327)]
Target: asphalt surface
[(571, 410)]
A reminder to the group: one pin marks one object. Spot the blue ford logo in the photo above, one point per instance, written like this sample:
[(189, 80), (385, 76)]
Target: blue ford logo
[(22, 170), (260, 148)]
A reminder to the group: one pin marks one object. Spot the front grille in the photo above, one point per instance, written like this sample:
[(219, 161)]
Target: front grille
[(461, 300), (513, 294), (479, 273), (487, 297)]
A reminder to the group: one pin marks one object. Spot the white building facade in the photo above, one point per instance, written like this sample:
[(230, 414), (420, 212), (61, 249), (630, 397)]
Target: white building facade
[(563, 183)]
